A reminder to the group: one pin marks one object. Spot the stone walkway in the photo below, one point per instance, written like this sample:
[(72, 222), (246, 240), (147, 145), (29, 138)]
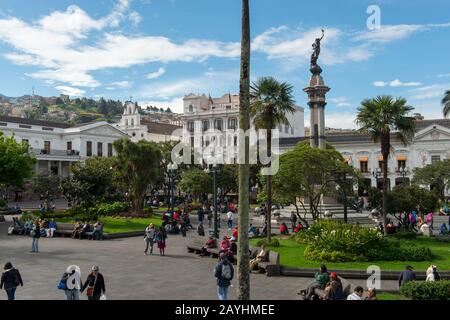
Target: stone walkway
[(129, 274)]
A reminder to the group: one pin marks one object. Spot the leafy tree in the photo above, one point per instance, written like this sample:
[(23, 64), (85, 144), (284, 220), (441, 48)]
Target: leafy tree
[(271, 101), (446, 104), (379, 118), (435, 175), (91, 182), (195, 182), (306, 174), (140, 167), (168, 110), (16, 163), (227, 178), (243, 257), (45, 183)]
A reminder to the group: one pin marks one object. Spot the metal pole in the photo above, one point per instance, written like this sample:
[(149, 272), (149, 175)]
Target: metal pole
[(169, 189), (216, 233), (172, 188)]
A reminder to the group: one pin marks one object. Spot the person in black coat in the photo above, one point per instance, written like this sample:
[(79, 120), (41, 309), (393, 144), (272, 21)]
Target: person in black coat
[(11, 279), (95, 279)]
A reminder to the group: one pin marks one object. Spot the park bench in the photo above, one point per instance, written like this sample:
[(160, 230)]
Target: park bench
[(271, 267), (66, 229), (347, 288), (196, 245)]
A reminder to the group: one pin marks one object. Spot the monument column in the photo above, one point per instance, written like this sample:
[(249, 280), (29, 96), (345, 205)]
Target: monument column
[(317, 91)]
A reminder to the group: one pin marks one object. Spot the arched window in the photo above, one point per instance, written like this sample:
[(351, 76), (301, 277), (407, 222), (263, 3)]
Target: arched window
[(126, 122), (218, 124), (191, 108), (132, 122)]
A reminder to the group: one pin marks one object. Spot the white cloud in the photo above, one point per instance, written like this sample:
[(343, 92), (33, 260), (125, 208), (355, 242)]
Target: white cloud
[(154, 75), (214, 82), (295, 46), (119, 85), (56, 43), (135, 18), (429, 92), (390, 33), (340, 102), (380, 84), (445, 75), (396, 83), (73, 92)]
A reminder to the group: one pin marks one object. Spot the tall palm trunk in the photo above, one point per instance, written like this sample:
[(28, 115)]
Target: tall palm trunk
[(269, 187), (243, 290), (385, 144)]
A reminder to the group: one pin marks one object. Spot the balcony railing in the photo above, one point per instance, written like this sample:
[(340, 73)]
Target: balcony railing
[(60, 153)]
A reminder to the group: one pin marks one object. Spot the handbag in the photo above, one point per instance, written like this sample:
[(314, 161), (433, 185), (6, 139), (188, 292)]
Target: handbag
[(90, 289), (62, 285)]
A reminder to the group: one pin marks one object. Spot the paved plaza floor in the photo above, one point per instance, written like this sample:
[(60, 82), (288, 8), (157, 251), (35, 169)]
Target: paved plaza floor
[(129, 274)]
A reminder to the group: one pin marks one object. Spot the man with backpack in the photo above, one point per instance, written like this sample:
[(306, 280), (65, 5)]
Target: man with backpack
[(224, 272)]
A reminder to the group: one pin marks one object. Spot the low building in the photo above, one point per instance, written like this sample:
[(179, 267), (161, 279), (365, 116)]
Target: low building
[(431, 143), (58, 145), (138, 127)]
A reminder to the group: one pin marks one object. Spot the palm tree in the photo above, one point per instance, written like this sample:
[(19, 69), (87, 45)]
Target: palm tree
[(271, 101), (379, 117), (243, 257), (446, 104)]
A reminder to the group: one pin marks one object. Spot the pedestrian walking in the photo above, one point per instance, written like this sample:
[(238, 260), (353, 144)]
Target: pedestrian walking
[(71, 283), (161, 240), (10, 280), (293, 220), (406, 276), (433, 274), (95, 285), (224, 272), (230, 220), (149, 238), (36, 234)]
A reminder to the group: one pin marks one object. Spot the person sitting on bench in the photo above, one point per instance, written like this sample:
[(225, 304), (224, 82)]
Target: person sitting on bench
[(210, 244), (98, 231), (321, 278), (333, 289), (76, 229), (262, 256)]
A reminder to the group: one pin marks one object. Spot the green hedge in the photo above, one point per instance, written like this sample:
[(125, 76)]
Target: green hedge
[(274, 242), (335, 241), (430, 290), (405, 235)]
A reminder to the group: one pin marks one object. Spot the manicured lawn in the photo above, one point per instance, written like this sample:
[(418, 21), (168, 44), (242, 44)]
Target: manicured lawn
[(291, 255), (121, 225), (390, 296)]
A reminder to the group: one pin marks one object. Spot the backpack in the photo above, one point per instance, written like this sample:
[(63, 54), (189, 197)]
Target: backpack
[(226, 272)]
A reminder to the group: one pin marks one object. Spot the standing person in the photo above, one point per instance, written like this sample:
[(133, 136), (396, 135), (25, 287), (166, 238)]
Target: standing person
[(230, 220), (406, 276), (357, 294), (11, 279), (183, 229), (70, 283), (201, 215), (161, 240), (95, 284), (224, 272), (201, 230), (293, 220), (149, 238), (36, 234)]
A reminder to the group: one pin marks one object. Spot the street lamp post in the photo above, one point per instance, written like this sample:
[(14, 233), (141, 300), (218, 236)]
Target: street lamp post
[(214, 171), (377, 174), (403, 172), (172, 168)]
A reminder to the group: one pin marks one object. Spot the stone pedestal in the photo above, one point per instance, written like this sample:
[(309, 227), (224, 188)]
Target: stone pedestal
[(317, 91)]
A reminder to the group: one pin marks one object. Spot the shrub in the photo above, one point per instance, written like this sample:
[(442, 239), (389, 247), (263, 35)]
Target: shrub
[(404, 235), (106, 209), (336, 241), (429, 290), (83, 216), (274, 242)]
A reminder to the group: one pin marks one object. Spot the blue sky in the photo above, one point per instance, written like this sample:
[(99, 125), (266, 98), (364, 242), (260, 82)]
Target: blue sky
[(158, 50)]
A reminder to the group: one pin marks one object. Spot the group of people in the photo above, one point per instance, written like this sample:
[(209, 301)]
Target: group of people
[(177, 222), (82, 227), (333, 289), (152, 236), (70, 283)]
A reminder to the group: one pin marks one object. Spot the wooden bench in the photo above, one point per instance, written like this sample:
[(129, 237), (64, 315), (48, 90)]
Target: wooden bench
[(347, 288), (196, 245), (213, 252), (271, 267), (66, 229)]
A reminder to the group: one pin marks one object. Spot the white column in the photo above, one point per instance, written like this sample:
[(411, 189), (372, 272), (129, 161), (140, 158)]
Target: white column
[(60, 169), (49, 166)]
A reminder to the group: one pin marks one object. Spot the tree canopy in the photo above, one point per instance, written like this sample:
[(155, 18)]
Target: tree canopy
[(436, 175), (196, 182), (16, 163)]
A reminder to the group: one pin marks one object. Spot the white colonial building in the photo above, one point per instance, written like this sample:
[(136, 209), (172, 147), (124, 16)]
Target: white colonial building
[(139, 128), (58, 145), (202, 113), (431, 143)]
